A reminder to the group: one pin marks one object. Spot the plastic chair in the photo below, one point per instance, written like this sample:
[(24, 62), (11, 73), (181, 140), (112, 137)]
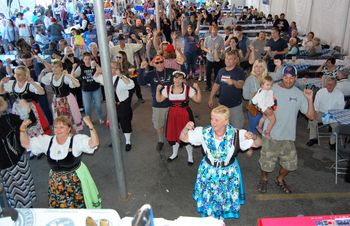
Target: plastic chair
[(341, 153)]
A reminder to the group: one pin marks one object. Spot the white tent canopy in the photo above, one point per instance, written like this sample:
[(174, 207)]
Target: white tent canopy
[(328, 19)]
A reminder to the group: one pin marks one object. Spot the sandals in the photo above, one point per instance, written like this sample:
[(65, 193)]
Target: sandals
[(283, 186), (262, 186)]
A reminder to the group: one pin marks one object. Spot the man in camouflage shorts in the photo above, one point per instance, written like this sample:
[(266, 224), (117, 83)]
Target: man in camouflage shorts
[(290, 100)]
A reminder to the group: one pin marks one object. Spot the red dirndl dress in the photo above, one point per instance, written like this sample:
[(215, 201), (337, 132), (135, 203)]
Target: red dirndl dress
[(179, 115)]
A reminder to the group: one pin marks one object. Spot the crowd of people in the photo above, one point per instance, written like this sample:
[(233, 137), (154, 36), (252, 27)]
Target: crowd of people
[(233, 67)]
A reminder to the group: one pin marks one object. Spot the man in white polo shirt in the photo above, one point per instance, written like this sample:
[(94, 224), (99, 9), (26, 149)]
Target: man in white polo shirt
[(326, 99)]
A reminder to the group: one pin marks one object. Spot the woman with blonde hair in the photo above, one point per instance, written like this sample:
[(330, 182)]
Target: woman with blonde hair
[(63, 102), (250, 87), (23, 89), (219, 190)]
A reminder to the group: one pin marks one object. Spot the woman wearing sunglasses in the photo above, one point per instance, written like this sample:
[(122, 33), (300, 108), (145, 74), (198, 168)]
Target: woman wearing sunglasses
[(128, 69), (179, 113)]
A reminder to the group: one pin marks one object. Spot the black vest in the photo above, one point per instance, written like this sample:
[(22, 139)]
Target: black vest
[(62, 90), (69, 163), (26, 94)]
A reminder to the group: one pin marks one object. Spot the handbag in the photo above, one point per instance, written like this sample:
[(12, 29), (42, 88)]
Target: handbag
[(251, 108)]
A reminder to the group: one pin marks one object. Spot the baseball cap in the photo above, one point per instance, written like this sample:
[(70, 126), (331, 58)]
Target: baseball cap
[(170, 48), (158, 58), (290, 69)]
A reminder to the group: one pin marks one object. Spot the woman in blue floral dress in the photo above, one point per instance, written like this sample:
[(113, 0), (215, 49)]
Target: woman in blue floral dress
[(219, 190)]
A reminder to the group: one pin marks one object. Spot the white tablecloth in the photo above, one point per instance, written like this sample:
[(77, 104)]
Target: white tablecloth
[(181, 221), (64, 217)]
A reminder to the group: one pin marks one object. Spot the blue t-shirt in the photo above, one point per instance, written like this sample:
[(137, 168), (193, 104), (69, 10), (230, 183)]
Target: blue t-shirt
[(230, 96), (154, 78), (90, 36), (278, 45)]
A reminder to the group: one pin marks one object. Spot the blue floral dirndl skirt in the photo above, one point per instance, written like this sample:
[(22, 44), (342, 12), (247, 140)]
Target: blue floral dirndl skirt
[(219, 191)]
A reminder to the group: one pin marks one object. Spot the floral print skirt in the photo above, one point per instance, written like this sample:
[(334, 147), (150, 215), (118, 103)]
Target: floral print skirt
[(65, 190), (219, 191)]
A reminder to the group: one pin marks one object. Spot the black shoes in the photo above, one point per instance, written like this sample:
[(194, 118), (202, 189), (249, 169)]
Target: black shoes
[(40, 156), (312, 142), (127, 146), (159, 146), (189, 163), (332, 146)]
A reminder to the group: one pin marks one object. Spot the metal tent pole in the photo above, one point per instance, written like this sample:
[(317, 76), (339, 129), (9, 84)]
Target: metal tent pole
[(110, 98)]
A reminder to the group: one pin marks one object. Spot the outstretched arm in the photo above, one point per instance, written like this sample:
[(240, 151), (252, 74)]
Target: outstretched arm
[(94, 141)]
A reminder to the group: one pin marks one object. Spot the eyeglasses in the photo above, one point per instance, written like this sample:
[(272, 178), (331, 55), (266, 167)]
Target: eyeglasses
[(119, 57), (159, 62)]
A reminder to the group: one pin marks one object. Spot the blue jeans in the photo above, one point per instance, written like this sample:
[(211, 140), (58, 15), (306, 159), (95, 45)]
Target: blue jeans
[(94, 97), (253, 122)]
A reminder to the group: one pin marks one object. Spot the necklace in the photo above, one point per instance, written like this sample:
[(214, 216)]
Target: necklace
[(159, 78), (220, 137)]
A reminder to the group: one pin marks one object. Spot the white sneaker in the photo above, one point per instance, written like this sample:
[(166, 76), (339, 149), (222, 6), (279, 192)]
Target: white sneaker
[(205, 79), (200, 79)]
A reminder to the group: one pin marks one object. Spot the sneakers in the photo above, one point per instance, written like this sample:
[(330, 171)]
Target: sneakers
[(159, 146), (199, 79)]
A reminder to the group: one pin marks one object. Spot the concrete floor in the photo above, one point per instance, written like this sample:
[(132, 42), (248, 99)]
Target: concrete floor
[(168, 186)]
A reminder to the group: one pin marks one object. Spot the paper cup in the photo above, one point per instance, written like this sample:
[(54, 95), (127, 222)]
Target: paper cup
[(104, 222)]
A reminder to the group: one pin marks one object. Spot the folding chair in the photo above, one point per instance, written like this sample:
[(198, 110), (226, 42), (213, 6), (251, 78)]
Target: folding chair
[(341, 153), (320, 132)]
